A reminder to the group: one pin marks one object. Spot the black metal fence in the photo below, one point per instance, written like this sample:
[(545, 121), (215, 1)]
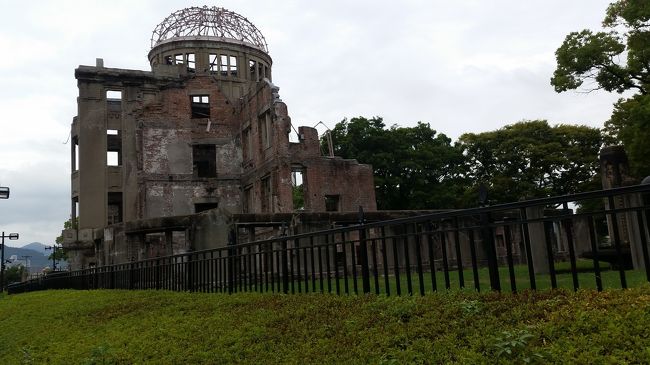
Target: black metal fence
[(595, 239)]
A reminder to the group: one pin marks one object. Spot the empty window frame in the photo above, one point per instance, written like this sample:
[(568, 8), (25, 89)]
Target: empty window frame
[(247, 148), (114, 208), (202, 207), (75, 153), (204, 157), (113, 94), (75, 210), (232, 65), (265, 194), (169, 60), (223, 65), (191, 61), (247, 204), (114, 100), (178, 59), (298, 188), (332, 203), (200, 106), (265, 130), (113, 148), (252, 66), (214, 62)]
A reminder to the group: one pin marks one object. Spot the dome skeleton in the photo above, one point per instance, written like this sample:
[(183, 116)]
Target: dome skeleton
[(208, 22)]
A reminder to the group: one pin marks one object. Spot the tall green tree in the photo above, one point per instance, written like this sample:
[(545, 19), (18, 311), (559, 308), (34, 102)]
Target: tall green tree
[(615, 59), (414, 167), (531, 159)]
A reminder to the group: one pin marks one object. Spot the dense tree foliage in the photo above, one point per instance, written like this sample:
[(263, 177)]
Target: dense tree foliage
[(531, 160), (415, 167), (615, 59)]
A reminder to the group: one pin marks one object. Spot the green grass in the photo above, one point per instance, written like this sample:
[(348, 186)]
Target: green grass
[(127, 327)]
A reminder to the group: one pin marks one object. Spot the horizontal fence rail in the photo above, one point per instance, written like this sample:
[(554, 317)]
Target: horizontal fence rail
[(596, 239)]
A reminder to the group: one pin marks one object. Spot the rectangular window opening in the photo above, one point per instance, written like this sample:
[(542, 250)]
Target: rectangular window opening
[(252, 66), (75, 210), (75, 154), (202, 207), (298, 188), (332, 203), (223, 65), (178, 59), (247, 204), (200, 106), (265, 131), (113, 148), (114, 208), (246, 144), (114, 94), (191, 61), (204, 158), (169, 60), (265, 194), (214, 62), (233, 66)]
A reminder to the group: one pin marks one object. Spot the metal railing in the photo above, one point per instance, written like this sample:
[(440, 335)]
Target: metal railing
[(525, 245)]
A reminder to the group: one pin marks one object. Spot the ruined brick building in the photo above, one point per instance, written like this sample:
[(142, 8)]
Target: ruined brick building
[(204, 130)]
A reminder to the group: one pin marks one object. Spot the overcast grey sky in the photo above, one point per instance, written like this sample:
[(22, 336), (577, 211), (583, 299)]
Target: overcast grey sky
[(463, 66)]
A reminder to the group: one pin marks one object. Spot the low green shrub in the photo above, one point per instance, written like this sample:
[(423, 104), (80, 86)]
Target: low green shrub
[(126, 327)]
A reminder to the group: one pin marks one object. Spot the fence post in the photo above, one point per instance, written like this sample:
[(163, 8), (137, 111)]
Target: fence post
[(488, 240), (285, 260), (131, 274), (157, 274), (363, 257), (231, 253)]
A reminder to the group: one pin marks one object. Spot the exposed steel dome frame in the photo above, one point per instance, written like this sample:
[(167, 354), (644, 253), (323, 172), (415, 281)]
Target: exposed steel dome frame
[(208, 22)]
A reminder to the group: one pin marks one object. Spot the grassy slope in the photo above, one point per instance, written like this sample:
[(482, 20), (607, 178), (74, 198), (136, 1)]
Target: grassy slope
[(173, 328)]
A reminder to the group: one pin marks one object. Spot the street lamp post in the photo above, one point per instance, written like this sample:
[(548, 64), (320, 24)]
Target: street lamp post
[(11, 236), (53, 248)]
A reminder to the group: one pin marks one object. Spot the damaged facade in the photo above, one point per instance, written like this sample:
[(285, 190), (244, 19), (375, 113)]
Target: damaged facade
[(204, 131)]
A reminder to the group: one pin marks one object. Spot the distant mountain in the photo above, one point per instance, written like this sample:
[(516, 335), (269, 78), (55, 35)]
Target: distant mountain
[(36, 246), (37, 260)]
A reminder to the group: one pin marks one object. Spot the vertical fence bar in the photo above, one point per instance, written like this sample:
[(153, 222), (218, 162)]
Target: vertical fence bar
[(529, 254), (511, 266), (487, 237), (353, 258), (568, 227), (594, 250), (336, 265), (385, 260), (345, 265), (418, 257), (320, 268), (617, 242), (472, 250), (363, 248), (375, 271), (328, 249), (445, 262), (644, 243), (432, 265), (407, 260), (459, 259), (549, 252), (398, 285)]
